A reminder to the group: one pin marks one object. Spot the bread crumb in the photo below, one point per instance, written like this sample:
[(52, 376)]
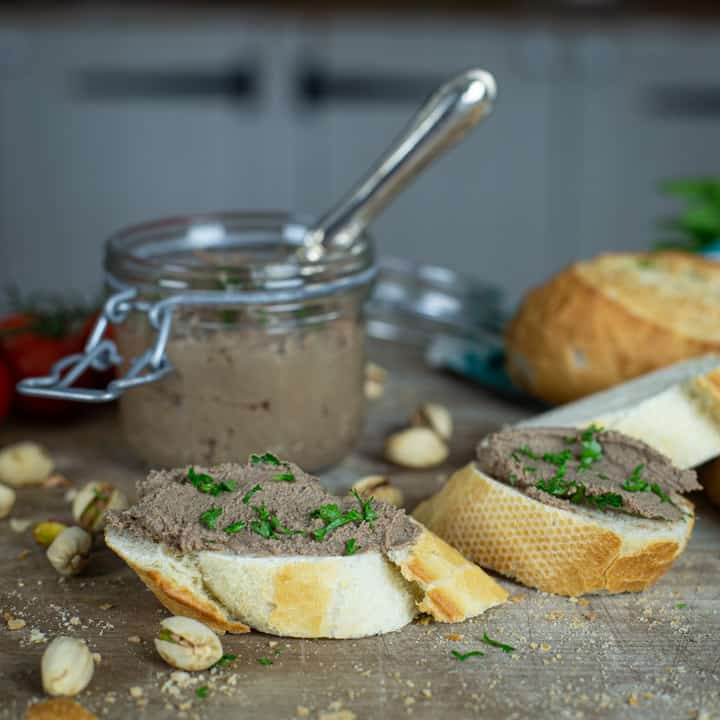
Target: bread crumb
[(339, 715), (106, 606), (273, 643), (409, 701), (516, 598), (545, 647), (583, 602), (453, 636), (22, 554), (15, 623), (425, 692), (134, 639), (633, 700), (302, 711), (74, 620), (136, 691), (37, 636), (19, 525), (97, 658)]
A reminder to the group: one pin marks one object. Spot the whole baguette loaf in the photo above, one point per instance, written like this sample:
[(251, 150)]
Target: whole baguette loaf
[(550, 548), (603, 321)]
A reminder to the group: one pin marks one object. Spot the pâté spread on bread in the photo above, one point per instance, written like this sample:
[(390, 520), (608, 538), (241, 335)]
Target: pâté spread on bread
[(266, 507), (567, 511), (263, 545), (605, 470)]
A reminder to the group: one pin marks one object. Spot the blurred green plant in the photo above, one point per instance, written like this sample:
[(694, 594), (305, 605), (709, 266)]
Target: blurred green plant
[(698, 225)]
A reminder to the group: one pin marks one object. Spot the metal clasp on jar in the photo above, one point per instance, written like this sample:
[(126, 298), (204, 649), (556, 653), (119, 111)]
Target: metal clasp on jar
[(101, 353)]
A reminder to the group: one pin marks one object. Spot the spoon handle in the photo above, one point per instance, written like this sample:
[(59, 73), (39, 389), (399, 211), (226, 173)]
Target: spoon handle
[(454, 109)]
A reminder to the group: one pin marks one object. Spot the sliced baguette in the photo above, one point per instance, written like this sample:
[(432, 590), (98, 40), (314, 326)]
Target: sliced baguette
[(676, 410), (548, 548), (603, 321), (333, 597)]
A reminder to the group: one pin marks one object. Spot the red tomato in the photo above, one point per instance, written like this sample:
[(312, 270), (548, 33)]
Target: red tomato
[(6, 391), (31, 349)]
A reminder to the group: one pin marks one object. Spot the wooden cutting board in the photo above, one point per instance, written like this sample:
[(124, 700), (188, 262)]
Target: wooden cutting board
[(653, 655)]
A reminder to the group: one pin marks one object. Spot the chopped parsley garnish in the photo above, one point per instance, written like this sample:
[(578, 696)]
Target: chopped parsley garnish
[(235, 527), (265, 661), (333, 519), (209, 517), (529, 469), (226, 660), (264, 459), (513, 479), (284, 477), (659, 492), (268, 526), (681, 606), (527, 452), (250, 493), (635, 483), (558, 459), (495, 643), (206, 483), (351, 547), (462, 657), (202, 691), (606, 500), (365, 507)]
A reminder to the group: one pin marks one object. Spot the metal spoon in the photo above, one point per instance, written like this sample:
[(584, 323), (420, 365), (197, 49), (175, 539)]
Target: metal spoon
[(450, 113)]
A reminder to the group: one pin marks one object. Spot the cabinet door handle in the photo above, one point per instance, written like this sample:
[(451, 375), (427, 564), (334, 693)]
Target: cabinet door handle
[(701, 101), (317, 86), (236, 84)]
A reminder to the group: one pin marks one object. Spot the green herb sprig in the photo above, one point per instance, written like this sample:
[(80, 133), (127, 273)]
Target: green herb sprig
[(333, 518), (351, 547), (226, 659), (202, 691), (248, 495), (265, 661), (264, 459), (495, 643), (206, 483), (462, 657), (210, 517)]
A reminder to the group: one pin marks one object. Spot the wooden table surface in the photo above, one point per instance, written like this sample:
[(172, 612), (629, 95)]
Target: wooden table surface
[(652, 655)]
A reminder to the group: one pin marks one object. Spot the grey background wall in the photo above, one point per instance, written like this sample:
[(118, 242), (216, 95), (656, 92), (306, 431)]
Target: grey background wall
[(107, 121)]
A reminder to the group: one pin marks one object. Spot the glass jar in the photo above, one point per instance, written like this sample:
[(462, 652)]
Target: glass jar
[(265, 350)]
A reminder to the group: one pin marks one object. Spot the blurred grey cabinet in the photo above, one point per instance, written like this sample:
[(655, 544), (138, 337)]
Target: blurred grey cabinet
[(641, 105), (481, 209), (104, 125)]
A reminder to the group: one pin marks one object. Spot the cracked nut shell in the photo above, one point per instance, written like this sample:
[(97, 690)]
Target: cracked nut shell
[(66, 667), (436, 417), (7, 500), (93, 501), (24, 463), (187, 644), (417, 448), (69, 552), (380, 488)]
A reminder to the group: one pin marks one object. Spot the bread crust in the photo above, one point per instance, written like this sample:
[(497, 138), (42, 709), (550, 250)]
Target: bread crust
[(548, 548), (311, 597), (181, 600), (591, 327)]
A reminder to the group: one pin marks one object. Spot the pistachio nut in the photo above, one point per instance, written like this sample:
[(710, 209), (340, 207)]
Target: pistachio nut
[(375, 379), (24, 463), (187, 644), (436, 417), (66, 667), (45, 532), (91, 503), (7, 500), (69, 552), (416, 447), (58, 708), (380, 488)]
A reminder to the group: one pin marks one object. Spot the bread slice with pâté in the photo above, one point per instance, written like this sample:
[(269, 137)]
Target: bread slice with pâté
[(567, 511), (265, 546)]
